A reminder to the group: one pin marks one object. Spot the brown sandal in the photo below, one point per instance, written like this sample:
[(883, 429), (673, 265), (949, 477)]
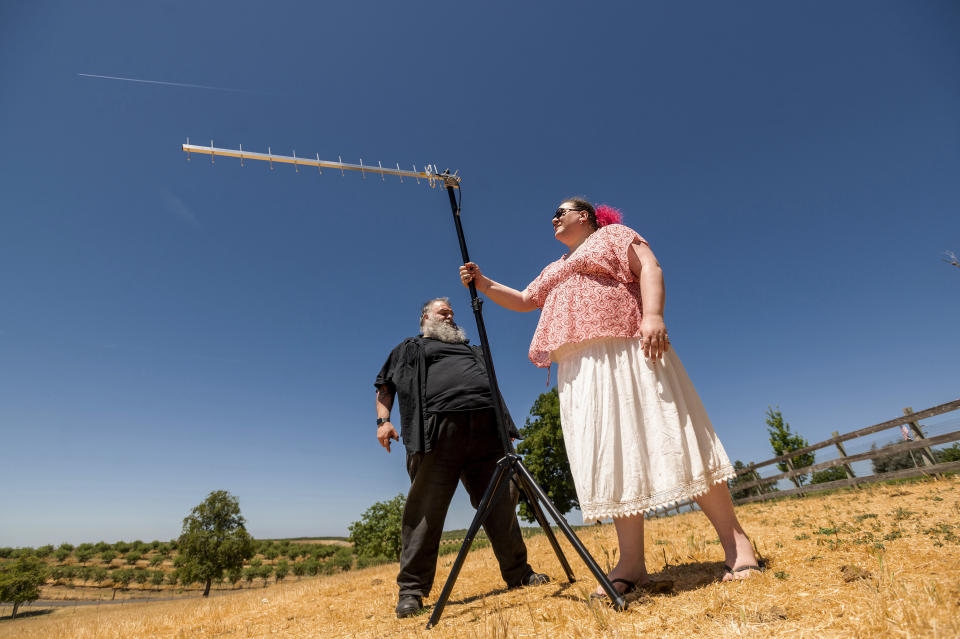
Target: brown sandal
[(760, 566)]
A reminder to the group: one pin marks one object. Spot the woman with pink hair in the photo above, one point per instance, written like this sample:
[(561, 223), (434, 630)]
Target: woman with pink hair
[(636, 433)]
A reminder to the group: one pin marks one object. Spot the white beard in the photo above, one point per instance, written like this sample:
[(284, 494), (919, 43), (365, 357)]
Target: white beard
[(438, 329)]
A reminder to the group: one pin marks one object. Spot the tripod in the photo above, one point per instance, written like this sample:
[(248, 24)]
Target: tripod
[(510, 467)]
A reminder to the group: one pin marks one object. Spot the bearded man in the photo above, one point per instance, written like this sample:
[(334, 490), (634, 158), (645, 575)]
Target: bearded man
[(450, 434)]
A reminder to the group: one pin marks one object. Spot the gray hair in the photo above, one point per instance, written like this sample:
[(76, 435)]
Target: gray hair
[(429, 303)]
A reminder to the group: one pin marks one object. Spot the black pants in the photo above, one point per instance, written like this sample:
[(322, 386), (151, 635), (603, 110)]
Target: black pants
[(467, 449)]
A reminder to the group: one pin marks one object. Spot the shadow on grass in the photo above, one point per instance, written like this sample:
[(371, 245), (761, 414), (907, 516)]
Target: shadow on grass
[(685, 577), (28, 613)]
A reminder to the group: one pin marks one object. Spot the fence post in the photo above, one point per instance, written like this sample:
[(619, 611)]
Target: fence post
[(843, 453), (795, 479), (756, 476), (925, 453)]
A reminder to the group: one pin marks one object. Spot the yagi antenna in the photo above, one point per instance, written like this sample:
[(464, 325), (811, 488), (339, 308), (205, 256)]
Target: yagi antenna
[(510, 467), (429, 172)]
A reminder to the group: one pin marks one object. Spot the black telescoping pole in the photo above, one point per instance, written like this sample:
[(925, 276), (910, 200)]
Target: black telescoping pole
[(477, 305)]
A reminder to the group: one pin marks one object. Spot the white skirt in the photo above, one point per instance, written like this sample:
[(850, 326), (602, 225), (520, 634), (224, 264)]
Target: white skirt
[(635, 430)]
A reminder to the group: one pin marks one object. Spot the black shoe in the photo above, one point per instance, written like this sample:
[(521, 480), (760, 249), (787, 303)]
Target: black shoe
[(408, 606), (532, 579)]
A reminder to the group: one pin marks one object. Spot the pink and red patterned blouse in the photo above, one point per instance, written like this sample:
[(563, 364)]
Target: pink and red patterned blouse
[(587, 294)]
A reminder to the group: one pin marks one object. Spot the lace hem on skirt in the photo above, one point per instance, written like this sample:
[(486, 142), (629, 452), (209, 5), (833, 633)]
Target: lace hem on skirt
[(664, 499)]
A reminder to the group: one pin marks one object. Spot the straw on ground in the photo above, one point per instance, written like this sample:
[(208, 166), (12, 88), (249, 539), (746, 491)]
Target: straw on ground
[(882, 561)]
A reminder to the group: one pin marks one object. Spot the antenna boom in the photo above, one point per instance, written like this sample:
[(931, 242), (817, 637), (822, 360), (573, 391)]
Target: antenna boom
[(429, 173)]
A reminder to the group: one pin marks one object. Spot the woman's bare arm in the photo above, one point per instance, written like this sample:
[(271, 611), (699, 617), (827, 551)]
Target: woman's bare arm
[(646, 268), (509, 298)]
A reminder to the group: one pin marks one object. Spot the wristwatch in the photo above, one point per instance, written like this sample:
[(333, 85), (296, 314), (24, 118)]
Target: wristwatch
[(381, 420)]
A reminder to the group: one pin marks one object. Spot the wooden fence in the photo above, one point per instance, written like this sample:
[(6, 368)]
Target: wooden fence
[(920, 444)]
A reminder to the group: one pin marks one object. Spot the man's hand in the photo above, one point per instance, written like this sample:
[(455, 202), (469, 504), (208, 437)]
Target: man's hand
[(653, 340), (385, 433)]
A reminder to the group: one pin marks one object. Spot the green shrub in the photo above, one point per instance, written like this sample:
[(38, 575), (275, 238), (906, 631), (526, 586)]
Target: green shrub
[(948, 454), (84, 555), (377, 534), (342, 559), (282, 569), (264, 572), (300, 568), (893, 461), (450, 549), (835, 473), (366, 562), (234, 574), (322, 551), (121, 577)]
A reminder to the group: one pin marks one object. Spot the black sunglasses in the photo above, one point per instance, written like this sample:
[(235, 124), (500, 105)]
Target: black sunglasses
[(561, 211)]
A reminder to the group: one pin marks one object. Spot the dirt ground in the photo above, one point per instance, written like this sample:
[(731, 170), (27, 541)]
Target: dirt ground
[(881, 561)]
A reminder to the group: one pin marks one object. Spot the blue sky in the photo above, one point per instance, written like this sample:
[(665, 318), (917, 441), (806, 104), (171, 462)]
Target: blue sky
[(168, 328)]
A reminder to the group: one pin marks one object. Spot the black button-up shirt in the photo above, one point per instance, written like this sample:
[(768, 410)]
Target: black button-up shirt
[(405, 373)]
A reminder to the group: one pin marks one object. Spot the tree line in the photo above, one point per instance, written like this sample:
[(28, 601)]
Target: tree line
[(214, 547)]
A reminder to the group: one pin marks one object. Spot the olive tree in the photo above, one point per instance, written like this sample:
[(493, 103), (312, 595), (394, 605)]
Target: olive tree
[(214, 539), (156, 578), (83, 555), (282, 569), (21, 581)]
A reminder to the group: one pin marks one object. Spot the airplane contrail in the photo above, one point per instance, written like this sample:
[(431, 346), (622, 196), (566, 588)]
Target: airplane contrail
[(172, 84)]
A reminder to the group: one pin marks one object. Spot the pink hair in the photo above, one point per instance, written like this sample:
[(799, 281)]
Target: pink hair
[(608, 215)]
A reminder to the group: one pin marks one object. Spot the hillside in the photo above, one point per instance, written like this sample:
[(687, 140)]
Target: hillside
[(882, 561)]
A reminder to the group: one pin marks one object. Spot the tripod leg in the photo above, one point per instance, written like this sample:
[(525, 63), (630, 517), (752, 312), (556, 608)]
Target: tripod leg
[(618, 601), (544, 524), (493, 488)]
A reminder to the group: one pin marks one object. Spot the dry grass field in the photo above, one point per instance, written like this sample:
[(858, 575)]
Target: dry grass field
[(881, 561)]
